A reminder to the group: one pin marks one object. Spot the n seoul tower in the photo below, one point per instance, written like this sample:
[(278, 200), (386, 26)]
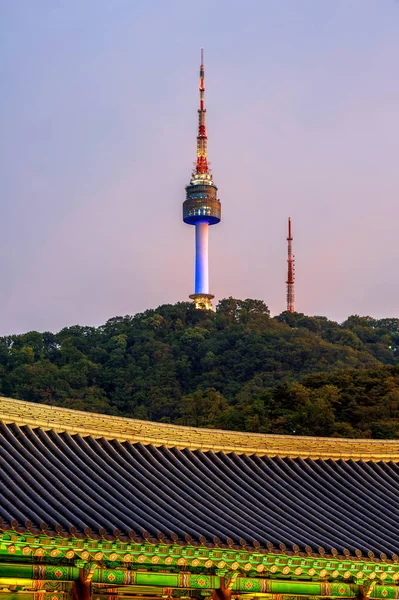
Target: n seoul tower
[(201, 207)]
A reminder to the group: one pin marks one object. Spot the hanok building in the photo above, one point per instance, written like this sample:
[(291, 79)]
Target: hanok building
[(101, 507)]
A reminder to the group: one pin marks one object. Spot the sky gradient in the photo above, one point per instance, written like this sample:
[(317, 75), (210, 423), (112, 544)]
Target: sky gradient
[(98, 125)]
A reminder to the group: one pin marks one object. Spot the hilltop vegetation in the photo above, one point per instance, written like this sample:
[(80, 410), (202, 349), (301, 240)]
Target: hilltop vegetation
[(237, 368)]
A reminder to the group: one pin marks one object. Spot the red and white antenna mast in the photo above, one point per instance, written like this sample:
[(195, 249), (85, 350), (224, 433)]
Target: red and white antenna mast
[(291, 271), (202, 139)]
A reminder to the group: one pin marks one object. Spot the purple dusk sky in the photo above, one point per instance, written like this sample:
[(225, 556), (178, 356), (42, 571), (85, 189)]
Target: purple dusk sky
[(98, 126)]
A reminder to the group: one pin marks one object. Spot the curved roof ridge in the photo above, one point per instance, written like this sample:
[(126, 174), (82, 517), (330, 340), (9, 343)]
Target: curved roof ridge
[(160, 434)]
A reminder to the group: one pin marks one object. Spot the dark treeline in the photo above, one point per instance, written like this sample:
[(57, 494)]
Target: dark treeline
[(237, 368)]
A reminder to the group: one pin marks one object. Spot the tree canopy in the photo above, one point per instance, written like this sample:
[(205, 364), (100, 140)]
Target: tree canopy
[(236, 368)]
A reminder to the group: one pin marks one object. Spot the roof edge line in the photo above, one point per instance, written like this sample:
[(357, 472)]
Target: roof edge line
[(160, 434)]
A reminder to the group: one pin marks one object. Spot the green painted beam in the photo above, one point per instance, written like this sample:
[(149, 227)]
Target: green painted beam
[(242, 584), (295, 588), (186, 580), (166, 580), (35, 595), (159, 556), (39, 572)]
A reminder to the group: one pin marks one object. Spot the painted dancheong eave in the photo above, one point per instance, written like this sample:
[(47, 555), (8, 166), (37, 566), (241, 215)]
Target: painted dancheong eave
[(246, 585)]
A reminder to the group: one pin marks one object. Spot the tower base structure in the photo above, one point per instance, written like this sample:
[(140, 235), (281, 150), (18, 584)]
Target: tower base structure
[(202, 301)]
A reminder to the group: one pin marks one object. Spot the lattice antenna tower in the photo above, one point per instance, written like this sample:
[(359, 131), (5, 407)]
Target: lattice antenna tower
[(291, 271)]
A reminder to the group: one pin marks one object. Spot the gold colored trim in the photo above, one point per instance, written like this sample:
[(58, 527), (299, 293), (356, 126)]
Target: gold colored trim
[(202, 301), (160, 434)]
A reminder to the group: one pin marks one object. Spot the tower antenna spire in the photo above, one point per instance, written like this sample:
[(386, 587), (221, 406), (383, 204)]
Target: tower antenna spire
[(202, 139), (202, 206), (291, 271)]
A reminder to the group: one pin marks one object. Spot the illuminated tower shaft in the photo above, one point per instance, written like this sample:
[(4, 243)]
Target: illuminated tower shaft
[(291, 271), (201, 258), (201, 207)]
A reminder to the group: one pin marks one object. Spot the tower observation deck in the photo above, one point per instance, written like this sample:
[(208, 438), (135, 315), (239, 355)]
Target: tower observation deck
[(201, 207)]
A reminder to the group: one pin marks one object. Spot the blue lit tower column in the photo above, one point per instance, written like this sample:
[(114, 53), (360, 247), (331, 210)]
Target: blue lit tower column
[(201, 207)]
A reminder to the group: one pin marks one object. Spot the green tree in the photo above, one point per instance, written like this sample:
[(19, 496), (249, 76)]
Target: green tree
[(237, 368)]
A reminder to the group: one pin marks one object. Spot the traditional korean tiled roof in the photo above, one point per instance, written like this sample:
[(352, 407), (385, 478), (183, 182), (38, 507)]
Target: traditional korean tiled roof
[(81, 475)]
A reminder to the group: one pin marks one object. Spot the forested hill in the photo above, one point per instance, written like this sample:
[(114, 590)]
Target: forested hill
[(237, 368)]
